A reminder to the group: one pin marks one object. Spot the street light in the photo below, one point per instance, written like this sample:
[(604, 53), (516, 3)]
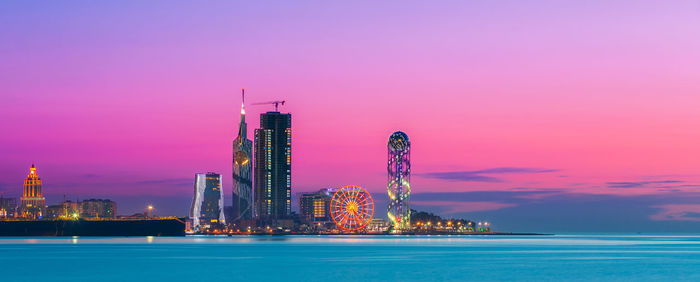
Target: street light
[(150, 211)]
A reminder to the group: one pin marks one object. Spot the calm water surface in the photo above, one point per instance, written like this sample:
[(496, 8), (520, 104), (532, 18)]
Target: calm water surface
[(351, 258)]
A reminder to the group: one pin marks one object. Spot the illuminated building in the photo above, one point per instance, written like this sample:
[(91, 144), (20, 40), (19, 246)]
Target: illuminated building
[(242, 208), (208, 201), (98, 208), (32, 202), (377, 225), (399, 180), (316, 206), (67, 209), (273, 166), (90, 209), (8, 206)]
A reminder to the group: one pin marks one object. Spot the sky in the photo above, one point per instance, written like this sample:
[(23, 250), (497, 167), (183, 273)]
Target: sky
[(539, 116)]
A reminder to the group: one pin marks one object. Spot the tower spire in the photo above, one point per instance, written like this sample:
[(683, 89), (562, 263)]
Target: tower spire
[(242, 102), (242, 126)]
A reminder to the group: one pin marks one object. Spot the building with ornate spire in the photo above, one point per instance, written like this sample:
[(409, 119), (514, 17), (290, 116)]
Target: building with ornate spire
[(242, 164), (32, 203)]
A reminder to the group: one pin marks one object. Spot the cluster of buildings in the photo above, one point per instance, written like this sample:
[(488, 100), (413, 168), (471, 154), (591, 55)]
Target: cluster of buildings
[(262, 183), (261, 191), (32, 204), (91, 208), (265, 200)]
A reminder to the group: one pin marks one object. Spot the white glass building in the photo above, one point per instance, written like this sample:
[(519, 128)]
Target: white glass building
[(208, 201)]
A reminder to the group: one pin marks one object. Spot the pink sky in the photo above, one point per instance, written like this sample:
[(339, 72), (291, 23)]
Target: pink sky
[(128, 98)]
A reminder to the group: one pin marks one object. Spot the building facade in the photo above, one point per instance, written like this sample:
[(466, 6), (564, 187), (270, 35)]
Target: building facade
[(377, 225), (32, 203), (399, 180), (208, 201), (242, 204), (315, 207), (67, 209), (89, 209), (98, 208), (273, 166), (8, 207)]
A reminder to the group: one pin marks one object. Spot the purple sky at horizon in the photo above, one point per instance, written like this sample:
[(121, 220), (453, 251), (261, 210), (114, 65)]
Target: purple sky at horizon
[(516, 111)]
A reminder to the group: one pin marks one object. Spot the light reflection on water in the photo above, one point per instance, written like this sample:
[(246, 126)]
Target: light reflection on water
[(373, 240), (354, 258)]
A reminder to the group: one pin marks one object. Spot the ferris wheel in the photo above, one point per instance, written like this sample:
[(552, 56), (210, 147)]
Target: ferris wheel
[(352, 208)]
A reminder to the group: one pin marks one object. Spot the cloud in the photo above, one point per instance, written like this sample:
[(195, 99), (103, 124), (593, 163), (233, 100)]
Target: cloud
[(677, 212), (681, 186), (122, 186), (166, 181), (453, 207), (639, 183), (479, 175)]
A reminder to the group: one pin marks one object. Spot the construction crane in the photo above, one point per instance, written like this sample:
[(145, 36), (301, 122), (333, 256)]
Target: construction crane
[(276, 103)]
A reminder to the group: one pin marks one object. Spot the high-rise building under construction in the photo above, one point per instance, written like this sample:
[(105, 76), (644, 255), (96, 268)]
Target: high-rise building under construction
[(273, 166)]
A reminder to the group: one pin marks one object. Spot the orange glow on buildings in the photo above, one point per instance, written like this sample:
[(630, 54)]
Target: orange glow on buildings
[(32, 202)]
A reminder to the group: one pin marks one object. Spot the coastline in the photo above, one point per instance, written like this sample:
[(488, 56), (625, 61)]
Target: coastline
[(378, 234)]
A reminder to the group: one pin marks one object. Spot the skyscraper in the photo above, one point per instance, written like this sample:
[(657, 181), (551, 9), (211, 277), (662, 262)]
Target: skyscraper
[(208, 201), (273, 166), (399, 180), (242, 184), (32, 202)]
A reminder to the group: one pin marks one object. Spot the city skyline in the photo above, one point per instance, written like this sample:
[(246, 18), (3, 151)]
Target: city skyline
[(531, 125)]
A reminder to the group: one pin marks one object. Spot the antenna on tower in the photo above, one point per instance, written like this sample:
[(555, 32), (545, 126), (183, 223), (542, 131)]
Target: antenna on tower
[(243, 95)]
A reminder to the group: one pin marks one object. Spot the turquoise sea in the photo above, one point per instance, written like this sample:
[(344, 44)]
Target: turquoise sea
[(352, 258)]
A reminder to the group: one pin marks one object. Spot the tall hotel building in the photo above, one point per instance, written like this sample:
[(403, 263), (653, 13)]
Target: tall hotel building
[(32, 203), (273, 166), (242, 164), (208, 201)]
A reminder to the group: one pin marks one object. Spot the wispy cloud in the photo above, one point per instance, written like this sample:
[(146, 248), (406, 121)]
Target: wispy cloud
[(162, 186), (638, 184), (166, 181), (681, 212), (453, 207), (482, 175)]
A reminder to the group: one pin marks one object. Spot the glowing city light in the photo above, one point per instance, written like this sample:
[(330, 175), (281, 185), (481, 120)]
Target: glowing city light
[(352, 208), (399, 176)]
